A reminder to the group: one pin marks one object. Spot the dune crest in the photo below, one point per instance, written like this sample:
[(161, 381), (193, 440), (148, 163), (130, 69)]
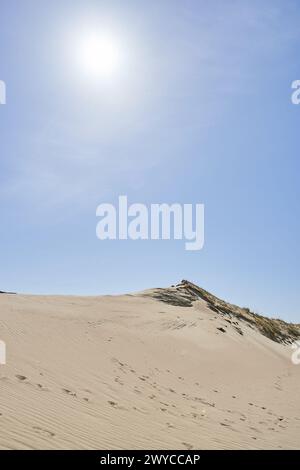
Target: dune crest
[(185, 293)]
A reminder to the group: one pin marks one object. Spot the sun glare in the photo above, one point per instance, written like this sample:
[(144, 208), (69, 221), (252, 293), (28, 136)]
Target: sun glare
[(98, 55)]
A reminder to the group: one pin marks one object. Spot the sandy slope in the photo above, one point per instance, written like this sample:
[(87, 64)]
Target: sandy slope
[(134, 372)]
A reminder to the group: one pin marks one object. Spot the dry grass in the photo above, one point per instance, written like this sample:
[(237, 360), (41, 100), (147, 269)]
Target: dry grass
[(185, 293)]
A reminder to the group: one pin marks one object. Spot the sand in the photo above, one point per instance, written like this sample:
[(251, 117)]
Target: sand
[(132, 372)]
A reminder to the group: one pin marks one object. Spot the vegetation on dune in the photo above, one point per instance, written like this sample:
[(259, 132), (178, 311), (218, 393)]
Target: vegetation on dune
[(185, 293)]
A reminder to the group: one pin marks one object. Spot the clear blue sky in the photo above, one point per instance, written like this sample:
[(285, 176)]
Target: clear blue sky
[(199, 111)]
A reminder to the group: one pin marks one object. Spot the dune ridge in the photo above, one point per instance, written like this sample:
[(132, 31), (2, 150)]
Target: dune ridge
[(185, 293)]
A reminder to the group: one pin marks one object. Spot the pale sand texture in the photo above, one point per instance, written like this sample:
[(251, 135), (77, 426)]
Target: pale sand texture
[(131, 372)]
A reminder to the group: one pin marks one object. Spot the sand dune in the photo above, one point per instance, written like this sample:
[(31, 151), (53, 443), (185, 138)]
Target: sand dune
[(142, 371)]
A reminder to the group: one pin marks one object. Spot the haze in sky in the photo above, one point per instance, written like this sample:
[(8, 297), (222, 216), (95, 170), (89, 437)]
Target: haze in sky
[(189, 103)]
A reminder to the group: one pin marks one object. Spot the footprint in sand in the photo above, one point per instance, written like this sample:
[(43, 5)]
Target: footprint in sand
[(116, 406), (117, 379), (254, 429), (187, 445), (41, 387), (45, 432), (21, 377), (112, 403), (69, 392), (163, 403)]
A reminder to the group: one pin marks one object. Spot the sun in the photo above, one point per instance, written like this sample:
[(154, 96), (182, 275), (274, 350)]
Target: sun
[(98, 55)]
